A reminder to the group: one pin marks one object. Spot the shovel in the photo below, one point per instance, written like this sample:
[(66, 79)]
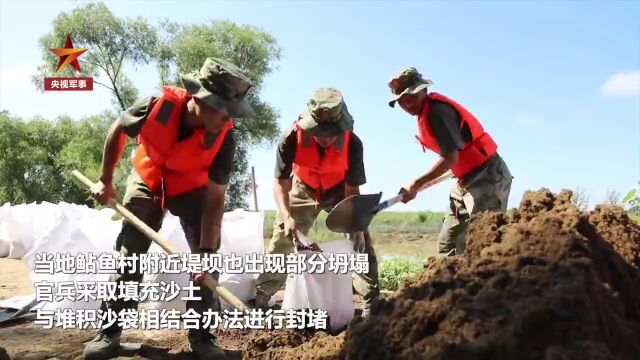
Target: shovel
[(355, 213), (209, 281)]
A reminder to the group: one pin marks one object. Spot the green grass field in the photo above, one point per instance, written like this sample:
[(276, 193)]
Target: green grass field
[(398, 260), (385, 223)]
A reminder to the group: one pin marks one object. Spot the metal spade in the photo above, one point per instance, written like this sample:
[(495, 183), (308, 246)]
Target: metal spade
[(355, 213)]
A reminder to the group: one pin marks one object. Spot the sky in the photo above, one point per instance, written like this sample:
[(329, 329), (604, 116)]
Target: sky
[(556, 84)]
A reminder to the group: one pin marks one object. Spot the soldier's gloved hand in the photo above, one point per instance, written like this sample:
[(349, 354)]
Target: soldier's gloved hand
[(357, 238)]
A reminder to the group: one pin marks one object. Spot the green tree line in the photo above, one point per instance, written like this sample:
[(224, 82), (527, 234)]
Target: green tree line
[(38, 153)]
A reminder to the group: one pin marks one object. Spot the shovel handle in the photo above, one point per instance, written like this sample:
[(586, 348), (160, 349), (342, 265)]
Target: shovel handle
[(209, 281), (396, 199)]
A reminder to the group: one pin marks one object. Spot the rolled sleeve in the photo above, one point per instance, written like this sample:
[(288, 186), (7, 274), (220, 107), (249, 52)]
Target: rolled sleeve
[(134, 117), (285, 154)]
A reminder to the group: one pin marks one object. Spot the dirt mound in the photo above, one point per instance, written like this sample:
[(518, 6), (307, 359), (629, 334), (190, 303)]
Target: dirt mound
[(548, 282), (263, 344), (321, 346), (3, 354)]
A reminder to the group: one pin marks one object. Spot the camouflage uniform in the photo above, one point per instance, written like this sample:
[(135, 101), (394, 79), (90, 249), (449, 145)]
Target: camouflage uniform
[(486, 188), (218, 84), (146, 205), (304, 208)]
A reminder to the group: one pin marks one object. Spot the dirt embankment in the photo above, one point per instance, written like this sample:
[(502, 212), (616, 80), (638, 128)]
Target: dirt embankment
[(548, 282)]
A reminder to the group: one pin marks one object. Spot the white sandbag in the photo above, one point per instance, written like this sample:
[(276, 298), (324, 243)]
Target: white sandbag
[(329, 291), (4, 244), (64, 235), (23, 224), (30, 229), (172, 231), (242, 234), (4, 236), (17, 227)]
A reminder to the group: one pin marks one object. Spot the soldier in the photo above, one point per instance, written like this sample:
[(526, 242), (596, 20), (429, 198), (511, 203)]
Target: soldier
[(182, 163), (319, 162), (465, 148)]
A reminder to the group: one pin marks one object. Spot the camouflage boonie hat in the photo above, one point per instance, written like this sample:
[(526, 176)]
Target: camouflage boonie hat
[(326, 114), (408, 81), (221, 85)]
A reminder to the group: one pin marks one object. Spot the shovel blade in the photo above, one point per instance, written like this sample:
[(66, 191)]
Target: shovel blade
[(354, 213)]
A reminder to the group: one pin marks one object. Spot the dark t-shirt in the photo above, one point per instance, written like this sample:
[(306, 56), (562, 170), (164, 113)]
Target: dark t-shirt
[(286, 152), (134, 117), (445, 123)]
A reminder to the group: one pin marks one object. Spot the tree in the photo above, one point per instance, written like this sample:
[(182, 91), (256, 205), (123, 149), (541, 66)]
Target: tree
[(632, 199), (612, 197), (111, 42), (184, 49), (580, 198), (39, 155)]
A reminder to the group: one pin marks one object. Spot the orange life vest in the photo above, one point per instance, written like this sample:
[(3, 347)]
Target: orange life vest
[(320, 173), (162, 161), (475, 152)]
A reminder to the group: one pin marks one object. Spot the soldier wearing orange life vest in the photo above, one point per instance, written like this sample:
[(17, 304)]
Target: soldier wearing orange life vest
[(464, 147), (182, 164), (319, 162)]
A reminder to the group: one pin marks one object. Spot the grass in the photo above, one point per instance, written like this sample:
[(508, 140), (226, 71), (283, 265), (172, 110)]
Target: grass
[(392, 271), (387, 222)]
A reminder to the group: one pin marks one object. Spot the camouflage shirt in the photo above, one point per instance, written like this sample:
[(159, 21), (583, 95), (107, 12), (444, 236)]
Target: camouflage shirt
[(286, 152), (134, 117)]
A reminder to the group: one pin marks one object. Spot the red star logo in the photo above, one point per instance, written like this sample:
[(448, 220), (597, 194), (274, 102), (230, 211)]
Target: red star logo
[(68, 55)]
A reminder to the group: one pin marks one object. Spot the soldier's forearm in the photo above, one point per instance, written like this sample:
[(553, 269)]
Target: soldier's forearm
[(351, 190), (113, 148), (213, 211), (437, 170), (281, 192)]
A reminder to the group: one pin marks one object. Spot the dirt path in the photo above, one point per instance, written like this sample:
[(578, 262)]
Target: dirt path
[(29, 341), (32, 342), (14, 279)]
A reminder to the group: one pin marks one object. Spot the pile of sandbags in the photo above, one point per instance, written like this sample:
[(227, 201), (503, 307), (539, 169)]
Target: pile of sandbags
[(63, 228)]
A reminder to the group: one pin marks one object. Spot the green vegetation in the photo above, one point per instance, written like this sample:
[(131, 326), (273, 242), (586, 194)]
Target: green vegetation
[(39, 153), (580, 198), (393, 271), (38, 156), (633, 200), (385, 223)]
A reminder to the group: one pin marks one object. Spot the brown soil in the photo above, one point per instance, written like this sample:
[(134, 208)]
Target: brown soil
[(548, 282), (14, 279)]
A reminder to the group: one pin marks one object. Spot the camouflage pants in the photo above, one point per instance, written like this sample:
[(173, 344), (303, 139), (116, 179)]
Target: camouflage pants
[(146, 205), (487, 190), (305, 216)]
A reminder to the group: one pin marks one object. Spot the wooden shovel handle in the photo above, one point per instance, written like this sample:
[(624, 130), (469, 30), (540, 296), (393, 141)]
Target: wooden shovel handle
[(209, 281)]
